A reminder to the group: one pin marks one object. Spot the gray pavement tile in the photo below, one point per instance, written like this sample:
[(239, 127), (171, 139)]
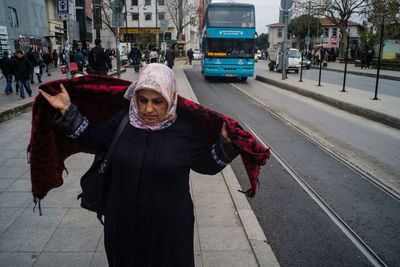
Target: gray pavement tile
[(78, 217), (196, 239), (217, 217), (223, 238), (212, 200), (21, 155), (20, 185), (7, 217), (198, 261), (15, 199), (71, 184), (26, 175), (100, 246), (57, 200), (51, 218), (74, 239), (239, 258), (79, 161), (5, 183), (25, 239), (6, 155), (265, 255), (64, 259), (17, 259), (15, 163), (212, 184), (99, 260), (12, 171)]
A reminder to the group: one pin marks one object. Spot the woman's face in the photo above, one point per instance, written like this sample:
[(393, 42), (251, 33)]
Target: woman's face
[(152, 106)]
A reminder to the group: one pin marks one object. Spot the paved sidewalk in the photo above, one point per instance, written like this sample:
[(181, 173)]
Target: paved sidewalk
[(385, 110), (226, 230), (352, 69)]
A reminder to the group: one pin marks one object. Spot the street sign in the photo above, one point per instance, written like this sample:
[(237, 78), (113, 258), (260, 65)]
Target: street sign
[(97, 23), (63, 9), (286, 4), (164, 25)]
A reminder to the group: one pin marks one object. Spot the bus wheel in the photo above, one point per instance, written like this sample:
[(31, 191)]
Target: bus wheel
[(206, 78), (271, 67), (296, 71), (243, 79)]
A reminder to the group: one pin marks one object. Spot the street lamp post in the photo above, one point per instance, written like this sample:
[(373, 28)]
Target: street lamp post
[(308, 27), (345, 62), (156, 23), (379, 58), (320, 61)]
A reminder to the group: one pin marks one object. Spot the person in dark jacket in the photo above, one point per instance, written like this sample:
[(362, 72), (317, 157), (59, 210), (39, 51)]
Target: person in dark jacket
[(22, 69), (135, 56), (47, 60), (99, 59), (170, 57), (55, 58), (13, 59), (363, 58), (33, 59), (39, 68), (149, 219), (7, 69), (190, 55), (79, 59)]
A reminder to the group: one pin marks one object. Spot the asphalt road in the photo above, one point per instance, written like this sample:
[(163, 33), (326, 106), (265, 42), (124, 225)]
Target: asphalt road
[(386, 87), (299, 232)]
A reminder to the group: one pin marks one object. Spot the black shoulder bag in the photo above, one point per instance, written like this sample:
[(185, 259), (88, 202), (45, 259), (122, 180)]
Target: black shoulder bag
[(95, 181)]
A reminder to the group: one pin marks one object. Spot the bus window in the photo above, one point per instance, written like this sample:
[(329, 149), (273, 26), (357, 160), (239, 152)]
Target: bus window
[(232, 17)]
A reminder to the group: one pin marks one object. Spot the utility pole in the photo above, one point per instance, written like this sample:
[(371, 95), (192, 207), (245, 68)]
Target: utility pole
[(285, 6), (126, 26), (117, 8), (66, 44), (308, 27), (156, 23), (379, 58), (97, 17), (63, 14)]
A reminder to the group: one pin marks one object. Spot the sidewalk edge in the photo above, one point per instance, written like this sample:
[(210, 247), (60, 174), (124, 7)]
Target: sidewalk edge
[(258, 242), (23, 106), (361, 111), (371, 75)]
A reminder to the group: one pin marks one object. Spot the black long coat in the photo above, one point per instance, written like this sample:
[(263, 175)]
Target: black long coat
[(149, 216)]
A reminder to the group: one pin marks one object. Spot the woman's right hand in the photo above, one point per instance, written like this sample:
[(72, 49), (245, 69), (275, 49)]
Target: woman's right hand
[(60, 101)]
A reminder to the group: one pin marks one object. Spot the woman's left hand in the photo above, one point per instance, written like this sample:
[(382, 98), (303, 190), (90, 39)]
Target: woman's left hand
[(224, 133)]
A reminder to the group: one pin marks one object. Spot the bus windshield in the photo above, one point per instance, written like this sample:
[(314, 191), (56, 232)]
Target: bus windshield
[(231, 17), (229, 48)]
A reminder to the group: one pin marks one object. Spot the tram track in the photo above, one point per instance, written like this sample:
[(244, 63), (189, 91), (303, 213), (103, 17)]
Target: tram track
[(337, 215), (331, 152), (373, 258)]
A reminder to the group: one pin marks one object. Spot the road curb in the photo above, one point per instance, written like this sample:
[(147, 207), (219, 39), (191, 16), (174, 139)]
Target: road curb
[(257, 239), (381, 76), (361, 111), (12, 110)]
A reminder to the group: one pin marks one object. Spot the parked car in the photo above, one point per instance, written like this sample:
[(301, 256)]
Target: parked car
[(259, 55), (196, 54)]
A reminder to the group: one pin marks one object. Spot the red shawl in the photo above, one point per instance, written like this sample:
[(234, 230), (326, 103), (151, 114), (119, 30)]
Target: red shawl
[(98, 98)]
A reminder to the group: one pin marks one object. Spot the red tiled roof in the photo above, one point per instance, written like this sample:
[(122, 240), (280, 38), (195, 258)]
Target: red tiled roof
[(328, 21), (279, 24)]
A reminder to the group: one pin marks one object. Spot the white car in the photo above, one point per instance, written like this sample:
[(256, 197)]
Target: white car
[(196, 54), (259, 55)]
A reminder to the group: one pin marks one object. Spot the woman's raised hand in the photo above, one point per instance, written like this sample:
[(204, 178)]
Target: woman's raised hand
[(60, 101), (224, 133)]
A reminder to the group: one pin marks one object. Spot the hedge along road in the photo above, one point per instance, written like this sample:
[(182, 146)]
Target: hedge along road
[(298, 230)]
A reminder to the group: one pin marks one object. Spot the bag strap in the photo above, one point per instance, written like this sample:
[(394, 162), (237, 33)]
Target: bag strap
[(117, 135)]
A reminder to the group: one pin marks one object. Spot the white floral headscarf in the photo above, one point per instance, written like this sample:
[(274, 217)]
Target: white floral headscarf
[(161, 79)]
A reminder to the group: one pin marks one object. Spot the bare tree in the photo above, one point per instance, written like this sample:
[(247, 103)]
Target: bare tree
[(338, 12), (182, 13), (106, 15)]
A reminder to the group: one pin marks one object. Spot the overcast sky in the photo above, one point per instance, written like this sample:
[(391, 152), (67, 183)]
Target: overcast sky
[(267, 12)]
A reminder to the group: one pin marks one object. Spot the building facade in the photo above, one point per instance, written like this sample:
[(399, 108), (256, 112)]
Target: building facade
[(24, 23), (331, 35)]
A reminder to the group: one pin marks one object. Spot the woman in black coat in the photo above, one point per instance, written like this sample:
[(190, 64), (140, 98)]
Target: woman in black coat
[(149, 218)]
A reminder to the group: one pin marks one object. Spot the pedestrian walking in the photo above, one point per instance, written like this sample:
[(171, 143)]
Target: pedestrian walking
[(153, 55), (39, 68), (62, 56), (47, 61), (369, 59), (170, 57), (55, 58), (13, 60), (7, 69), (147, 55), (149, 219), (79, 59), (22, 68), (363, 58), (33, 59), (99, 59), (190, 55), (135, 56)]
